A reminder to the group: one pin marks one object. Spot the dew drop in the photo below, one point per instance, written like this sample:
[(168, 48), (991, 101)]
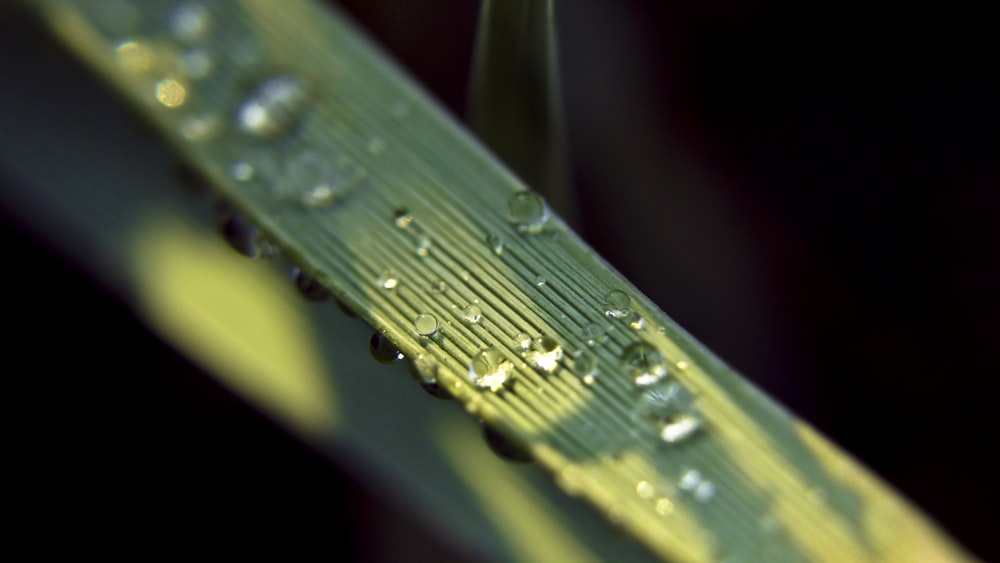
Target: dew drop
[(402, 218), (170, 93), (616, 303), (425, 324), (388, 279), (421, 245), (195, 63), (593, 334), (528, 211), (523, 341), (472, 313), (241, 171), (680, 428), (585, 367), (198, 128), (135, 56), (705, 491), (241, 234), (439, 286), (383, 350), (189, 22), (489, 369), (313, 180), (504, 446), (425, 370), (540, 281), (495, 242), (635, 321), (645, 490), (664, 506), (272, 108), (309, 287), (690, 479), (546, 353), (645, 364)]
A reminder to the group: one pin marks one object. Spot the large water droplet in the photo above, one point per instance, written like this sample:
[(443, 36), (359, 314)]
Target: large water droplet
[(645, 364), (383, 350), (425, 324), (671, 407), (241, 234), (313, 180), (528, 211), (546, 353), (309, 287), (388, 279), (272, 108), (189, 22), (635, 321), (504, 446), (616, 303), (472, 313), (489, 369), (593, 334)]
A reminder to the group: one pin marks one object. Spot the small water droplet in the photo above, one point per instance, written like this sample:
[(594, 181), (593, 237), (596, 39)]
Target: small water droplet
[(402, 218), (312, 180), (198, 127), (272, 108), (135, 56), (439, 286), (585, 367), (664, 506), (505, 447), (422, 245), (383, 350), (546, 353), (645, 364), (682, 365), (195, 63), (472, 313), (170, 93), (690, 479), (388, 279), (241, 234), (616, 303), (465, 275), (645, 490), (522, 341), (425, 324), (189, 22), (593, 334), (309, 287), (489, 369), (425, 370), (495, 242), (705, 491), (635, 321), (540, 281), (528, 211), (680, 428), (241, 171)]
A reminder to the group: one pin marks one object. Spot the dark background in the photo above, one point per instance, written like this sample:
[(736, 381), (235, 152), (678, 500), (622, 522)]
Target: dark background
[(811, 191)]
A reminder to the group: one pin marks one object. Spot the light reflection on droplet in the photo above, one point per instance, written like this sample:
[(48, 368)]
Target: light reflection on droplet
[(170, 93)]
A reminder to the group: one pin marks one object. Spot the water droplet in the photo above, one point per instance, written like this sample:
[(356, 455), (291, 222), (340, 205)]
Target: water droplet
[(522, 341), (489, 369), (421, 245), (680, 428), (506, 447), (644, 363), (383, 350), (198, 127), (195, 63), (272, 108), (402, 218), (135, 56), (189, 22), (439, 286), (241, 234), (672, 406), (690, 479), (170, 93), (705, 491), (472, 313), (682, 365), (425, 324), (388, 279), (546, 353), (585, 367), (495, 242), (528, 211), (312, 179), (593, 334), (635, 321), (309, 287), (241, 171), (664, 506), (616, 303), (425, 370), (645, 490), (540, 281), (377, 146)]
